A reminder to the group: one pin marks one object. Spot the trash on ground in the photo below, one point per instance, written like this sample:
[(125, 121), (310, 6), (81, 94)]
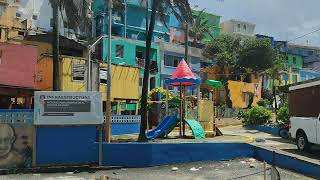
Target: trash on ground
[(194, 169), (174, 169)]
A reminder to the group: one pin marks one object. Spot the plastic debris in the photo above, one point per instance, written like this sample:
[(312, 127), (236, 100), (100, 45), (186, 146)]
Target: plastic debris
[(174, 169), (194, 169), (260, 140), (200, 167), (243, 162), (252, 160)]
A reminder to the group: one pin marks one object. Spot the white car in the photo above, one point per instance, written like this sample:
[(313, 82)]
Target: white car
[(306, 131)]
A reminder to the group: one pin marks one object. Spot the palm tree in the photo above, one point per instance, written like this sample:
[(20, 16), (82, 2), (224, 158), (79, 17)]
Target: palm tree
[(274, 73), (76, 14), (200, 27), (181, 9)]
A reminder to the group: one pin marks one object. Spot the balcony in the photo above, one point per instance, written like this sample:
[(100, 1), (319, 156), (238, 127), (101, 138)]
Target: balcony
[(153, 64)]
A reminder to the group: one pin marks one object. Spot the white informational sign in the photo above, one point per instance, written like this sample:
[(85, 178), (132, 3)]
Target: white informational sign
[(103, 74), (67, 108)]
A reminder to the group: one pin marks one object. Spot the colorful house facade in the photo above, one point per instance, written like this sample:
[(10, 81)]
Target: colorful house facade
[(73, 74), (129, 20), (307, 74), (17, 70), (131, 53)]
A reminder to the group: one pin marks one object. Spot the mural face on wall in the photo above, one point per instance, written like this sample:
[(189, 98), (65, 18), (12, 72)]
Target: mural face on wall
[(15, 146)]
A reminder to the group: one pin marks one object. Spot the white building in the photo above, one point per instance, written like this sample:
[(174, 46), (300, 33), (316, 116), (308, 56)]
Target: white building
[(235, 27), (37, 14)]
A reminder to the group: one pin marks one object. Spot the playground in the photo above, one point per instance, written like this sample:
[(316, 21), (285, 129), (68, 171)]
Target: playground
[(186, 137)]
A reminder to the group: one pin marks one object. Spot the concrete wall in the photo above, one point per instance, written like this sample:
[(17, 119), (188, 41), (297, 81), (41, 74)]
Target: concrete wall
[(17, 65), (146, 154), (69, 145), (239, 93), (16, 138)]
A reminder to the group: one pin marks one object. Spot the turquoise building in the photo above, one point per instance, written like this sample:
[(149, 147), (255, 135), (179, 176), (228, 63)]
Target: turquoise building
[(129, 20)]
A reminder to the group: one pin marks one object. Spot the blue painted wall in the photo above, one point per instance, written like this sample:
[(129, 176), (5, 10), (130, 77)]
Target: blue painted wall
[(288, 162), (144, 154), (308, 74), (66, 145)]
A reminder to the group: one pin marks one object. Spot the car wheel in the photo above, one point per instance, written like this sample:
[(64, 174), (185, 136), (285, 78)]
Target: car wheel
[(302, 142)]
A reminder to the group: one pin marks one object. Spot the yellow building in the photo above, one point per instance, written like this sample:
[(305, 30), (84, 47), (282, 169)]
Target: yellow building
[(240, 93), (124, 84), (12, 26)]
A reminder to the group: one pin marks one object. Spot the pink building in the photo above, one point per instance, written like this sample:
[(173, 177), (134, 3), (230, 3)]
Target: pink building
[(17, 70)]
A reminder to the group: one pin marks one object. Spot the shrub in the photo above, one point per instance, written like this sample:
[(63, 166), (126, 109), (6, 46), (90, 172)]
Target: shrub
[(173, 100), (263, 103), (283, 115), (257, 115)]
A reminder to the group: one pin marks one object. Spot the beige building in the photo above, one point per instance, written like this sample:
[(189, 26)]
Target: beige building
[(235, 27)]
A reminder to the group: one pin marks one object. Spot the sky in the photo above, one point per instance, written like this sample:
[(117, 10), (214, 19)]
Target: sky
[(282, 19)]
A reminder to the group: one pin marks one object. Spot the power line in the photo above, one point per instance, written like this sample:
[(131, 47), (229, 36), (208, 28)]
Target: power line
[(304, 35)]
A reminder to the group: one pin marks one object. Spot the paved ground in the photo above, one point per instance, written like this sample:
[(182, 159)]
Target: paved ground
[(273, 142), (235, 169)]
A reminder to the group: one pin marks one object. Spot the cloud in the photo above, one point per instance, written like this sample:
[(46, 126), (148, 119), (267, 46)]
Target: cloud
[(283, 19)]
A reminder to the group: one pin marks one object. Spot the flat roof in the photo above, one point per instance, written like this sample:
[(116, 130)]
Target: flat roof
[(305, 84)]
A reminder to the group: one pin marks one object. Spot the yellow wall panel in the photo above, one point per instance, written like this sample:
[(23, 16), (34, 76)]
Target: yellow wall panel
[(124, 84), (238, 91)]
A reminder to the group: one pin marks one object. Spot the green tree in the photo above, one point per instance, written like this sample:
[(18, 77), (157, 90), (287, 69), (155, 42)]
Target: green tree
[(76, 14), (256, 55), (159, 8), (200, 27), (225, 50)]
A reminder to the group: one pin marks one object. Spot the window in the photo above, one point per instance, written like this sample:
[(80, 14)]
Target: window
[(103, 76), (294, 60), (238, 27), (171, 61), (244, 27), (18, 15), (21, 33), (310, 53), (140, 81), (294, 78), (139, 54), (34, 17), (78, 71), (119, 51), (51, 22)]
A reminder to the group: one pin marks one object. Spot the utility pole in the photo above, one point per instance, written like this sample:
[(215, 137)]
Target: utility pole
[(55, 46), (186, 47), (108, 101)]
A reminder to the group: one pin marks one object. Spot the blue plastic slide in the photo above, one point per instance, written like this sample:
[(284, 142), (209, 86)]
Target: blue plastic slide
[(164, 128)]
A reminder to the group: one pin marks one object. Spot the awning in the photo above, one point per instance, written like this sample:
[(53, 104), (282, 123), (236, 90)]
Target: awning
[(214, 83)]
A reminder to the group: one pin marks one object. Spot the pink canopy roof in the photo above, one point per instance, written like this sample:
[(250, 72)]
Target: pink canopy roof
[(183, 75)]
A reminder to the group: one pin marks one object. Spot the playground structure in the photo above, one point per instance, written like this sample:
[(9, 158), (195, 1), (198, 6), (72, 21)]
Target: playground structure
[(202, 121)]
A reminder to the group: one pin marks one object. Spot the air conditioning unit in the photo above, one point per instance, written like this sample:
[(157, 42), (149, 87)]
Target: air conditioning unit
[(18, 15)]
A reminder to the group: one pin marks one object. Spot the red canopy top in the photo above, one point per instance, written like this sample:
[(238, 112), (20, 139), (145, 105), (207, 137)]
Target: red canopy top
[(183, 75)]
